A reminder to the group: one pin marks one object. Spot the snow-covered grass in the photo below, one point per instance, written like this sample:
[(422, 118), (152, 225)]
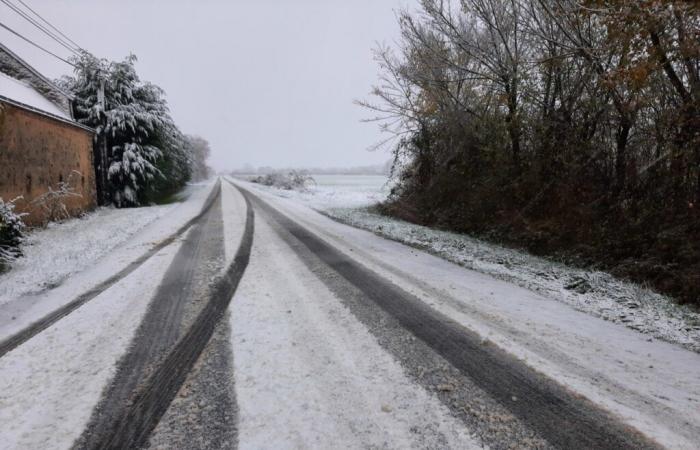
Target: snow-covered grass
[(54, 253), (346, 199)]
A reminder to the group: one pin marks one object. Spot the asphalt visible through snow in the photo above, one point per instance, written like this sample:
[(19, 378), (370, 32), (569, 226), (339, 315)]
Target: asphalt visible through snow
[(179, 324), (557, 416), (37, 327), (174, 386)]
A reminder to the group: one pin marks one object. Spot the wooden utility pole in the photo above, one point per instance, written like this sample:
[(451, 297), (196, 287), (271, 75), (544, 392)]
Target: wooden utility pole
[(102, 191)]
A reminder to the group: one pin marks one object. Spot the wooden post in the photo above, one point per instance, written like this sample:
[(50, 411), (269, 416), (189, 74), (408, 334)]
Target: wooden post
[(103, 191)]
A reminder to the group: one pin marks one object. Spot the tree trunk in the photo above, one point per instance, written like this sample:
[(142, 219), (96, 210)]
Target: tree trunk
[(513, 127), (623, 132)]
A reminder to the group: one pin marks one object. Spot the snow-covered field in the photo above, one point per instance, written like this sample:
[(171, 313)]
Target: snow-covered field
[(338, 192), (346, 198)]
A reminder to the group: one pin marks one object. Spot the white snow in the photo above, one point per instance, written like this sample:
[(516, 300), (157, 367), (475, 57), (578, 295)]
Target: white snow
[(309, 375), (233, 211), (22, 92), (593, 292), (50, 385), (81, 253), (62, 249), (332, 192), (650, 384)]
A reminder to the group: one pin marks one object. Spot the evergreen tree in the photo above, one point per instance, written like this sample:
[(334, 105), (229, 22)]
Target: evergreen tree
[(146, 153), (200, 151)]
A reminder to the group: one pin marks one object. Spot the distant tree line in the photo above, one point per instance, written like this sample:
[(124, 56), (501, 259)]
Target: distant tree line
[(565, 125), (141, 155)]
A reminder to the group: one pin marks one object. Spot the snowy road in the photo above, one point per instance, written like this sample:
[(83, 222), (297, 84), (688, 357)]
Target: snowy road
[(268, 325)]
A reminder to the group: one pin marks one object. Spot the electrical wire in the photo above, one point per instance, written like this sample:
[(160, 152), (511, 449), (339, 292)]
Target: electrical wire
[(35, 44), (51, 25), (29, 19), (36, 24)]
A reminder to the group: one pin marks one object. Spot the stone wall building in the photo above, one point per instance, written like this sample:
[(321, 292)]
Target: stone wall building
[(42, 147)]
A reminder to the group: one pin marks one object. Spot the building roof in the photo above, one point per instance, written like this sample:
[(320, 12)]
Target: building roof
[(23, 84), (22, 92)]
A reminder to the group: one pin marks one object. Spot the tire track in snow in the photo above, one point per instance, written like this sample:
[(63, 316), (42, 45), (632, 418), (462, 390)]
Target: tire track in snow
[(147, 382), (564, 419), (40, 325)]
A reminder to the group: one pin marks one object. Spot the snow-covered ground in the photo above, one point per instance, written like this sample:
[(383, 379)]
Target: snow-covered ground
[(346, 198), (303, 360), (649, 384), (337, 192), (50, 384), (67, 259), (54, 253), (309, 375)]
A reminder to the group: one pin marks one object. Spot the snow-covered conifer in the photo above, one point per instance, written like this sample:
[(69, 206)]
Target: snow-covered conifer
[(144, 146)]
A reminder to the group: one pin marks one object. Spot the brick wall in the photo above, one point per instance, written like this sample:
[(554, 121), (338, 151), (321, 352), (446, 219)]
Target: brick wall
[(38, 152)]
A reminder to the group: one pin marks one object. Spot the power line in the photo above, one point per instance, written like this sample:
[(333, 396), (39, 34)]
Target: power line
[(29, 19), (35, 44), (51, 25)]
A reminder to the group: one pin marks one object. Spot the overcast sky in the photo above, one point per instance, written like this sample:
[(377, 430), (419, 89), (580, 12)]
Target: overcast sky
[(267, 82)]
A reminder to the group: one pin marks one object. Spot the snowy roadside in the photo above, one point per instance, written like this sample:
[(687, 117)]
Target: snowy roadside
[(66, 260), (593, 292), (54, 253), (50, 385)]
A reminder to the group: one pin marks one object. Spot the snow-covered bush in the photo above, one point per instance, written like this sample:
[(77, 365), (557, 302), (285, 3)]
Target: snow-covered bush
[(11, 231), (292, 180)]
